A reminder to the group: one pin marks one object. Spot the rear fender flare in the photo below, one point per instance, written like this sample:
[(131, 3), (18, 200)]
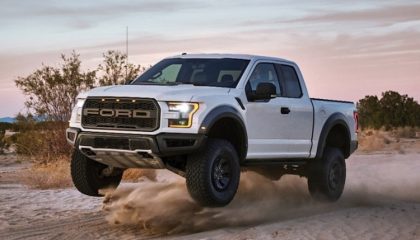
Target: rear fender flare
[(334, 120)]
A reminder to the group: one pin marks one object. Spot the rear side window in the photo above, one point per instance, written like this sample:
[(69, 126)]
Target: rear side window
[(289, 81)]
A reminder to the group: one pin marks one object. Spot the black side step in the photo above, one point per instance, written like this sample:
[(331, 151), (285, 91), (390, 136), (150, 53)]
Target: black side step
[(278, 162)]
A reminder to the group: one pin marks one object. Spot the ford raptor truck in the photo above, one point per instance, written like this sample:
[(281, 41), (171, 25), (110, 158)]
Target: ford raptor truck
[(206, 117)]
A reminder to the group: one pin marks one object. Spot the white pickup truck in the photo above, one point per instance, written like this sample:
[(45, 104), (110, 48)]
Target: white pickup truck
[(206, 116)]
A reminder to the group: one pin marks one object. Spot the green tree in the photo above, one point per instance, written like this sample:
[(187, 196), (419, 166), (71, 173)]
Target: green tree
[(370, 112), (391, 110), (411, 111), (52, 91), (115, 69), (398, 110)]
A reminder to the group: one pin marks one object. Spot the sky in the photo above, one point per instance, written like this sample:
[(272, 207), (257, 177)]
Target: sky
[(345, 49)]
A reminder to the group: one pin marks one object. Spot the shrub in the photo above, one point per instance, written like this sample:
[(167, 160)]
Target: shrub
[(43, 142), (2, 142), (390, 111), (405, 132), (47, 175)]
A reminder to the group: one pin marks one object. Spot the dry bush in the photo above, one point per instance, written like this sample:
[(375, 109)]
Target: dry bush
[(47, 176), (135, 174), (2, 142), (405, 132), (372, 140), (393, 141), (45, 143)]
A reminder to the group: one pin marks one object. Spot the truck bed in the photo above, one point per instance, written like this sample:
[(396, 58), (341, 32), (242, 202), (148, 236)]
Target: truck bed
[(323, 110)]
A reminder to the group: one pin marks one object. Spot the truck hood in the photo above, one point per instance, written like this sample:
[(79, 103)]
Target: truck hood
[(160, 93)]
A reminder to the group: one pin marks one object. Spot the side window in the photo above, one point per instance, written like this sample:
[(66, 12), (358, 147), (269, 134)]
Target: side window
[(263, 72), (289, 81), (168, 74)]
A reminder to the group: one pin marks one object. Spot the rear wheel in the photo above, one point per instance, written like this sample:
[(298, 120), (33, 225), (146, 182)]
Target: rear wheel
[(213, 174), (327, 176), (90, 176)]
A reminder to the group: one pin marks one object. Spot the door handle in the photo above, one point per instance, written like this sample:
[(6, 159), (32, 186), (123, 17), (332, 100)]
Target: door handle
[(285, 110)]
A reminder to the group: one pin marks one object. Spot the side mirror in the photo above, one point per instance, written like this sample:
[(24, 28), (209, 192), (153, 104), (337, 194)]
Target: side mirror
[(264, 91)]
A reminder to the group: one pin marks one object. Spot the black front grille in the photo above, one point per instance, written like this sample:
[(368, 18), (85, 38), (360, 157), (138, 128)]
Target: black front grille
[(106, 113)]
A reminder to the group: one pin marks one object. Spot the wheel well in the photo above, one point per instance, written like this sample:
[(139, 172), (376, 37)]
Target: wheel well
[(232, 131), (338, 137)]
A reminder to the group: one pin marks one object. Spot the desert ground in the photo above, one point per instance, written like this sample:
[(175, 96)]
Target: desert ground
[(381, 200)]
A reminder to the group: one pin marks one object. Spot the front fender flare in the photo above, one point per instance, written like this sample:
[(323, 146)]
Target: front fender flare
[(225, 111)]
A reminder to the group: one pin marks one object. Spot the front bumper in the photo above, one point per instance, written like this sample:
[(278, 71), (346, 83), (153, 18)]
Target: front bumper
[(161, 145)]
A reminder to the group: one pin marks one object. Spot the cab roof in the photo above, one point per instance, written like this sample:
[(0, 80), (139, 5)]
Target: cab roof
[(230, 55)]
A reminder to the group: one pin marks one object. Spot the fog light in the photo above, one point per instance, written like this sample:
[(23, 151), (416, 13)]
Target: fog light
[(71, 135)]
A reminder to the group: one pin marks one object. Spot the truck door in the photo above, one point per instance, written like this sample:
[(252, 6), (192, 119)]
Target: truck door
[(282, 126), (299, 119)]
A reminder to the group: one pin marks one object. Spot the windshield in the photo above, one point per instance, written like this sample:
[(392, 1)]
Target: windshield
[(224, 72)]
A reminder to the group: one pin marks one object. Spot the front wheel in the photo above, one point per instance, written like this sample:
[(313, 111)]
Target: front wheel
[(327, 176), (90, 176), (213, 174)]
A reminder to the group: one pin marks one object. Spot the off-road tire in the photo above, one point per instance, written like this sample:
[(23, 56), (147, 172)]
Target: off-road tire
[(87, 175), (327, 176), (206, 182)]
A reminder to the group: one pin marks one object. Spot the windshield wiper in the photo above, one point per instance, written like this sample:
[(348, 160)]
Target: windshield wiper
[(200, 84), (194, 83), (174, 83), (160, 84)]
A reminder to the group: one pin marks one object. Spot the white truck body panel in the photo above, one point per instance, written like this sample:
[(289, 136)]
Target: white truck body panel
[(271, 134), (323, 110)]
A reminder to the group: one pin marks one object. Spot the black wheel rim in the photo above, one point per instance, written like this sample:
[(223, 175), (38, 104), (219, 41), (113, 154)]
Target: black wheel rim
[(335, 176), (221, 173)]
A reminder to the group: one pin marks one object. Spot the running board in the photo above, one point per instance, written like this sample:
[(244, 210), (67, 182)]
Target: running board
[(123, 158), (282, 162)]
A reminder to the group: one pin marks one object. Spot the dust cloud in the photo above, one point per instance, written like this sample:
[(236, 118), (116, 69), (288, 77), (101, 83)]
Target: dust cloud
[(166, 207)]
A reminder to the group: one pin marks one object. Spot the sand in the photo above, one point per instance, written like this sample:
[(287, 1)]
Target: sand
[(381, 201)]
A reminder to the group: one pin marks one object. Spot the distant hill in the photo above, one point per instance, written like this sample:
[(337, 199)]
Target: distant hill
[(8, 119)]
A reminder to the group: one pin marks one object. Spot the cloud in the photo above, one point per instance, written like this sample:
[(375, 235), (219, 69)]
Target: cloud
[(336, 49), (386, 15), (83, 14), (383, 15), (83, 8), (402, 42)]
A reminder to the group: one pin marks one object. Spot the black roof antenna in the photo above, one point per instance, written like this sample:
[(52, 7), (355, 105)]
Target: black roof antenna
[(184, 53)]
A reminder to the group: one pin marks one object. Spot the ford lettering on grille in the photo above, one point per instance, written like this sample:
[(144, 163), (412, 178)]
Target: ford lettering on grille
[(121, 113), (117, 113)]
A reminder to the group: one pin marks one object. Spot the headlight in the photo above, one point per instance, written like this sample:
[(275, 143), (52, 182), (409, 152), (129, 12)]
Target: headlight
[(78, 108), (185, 113)]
